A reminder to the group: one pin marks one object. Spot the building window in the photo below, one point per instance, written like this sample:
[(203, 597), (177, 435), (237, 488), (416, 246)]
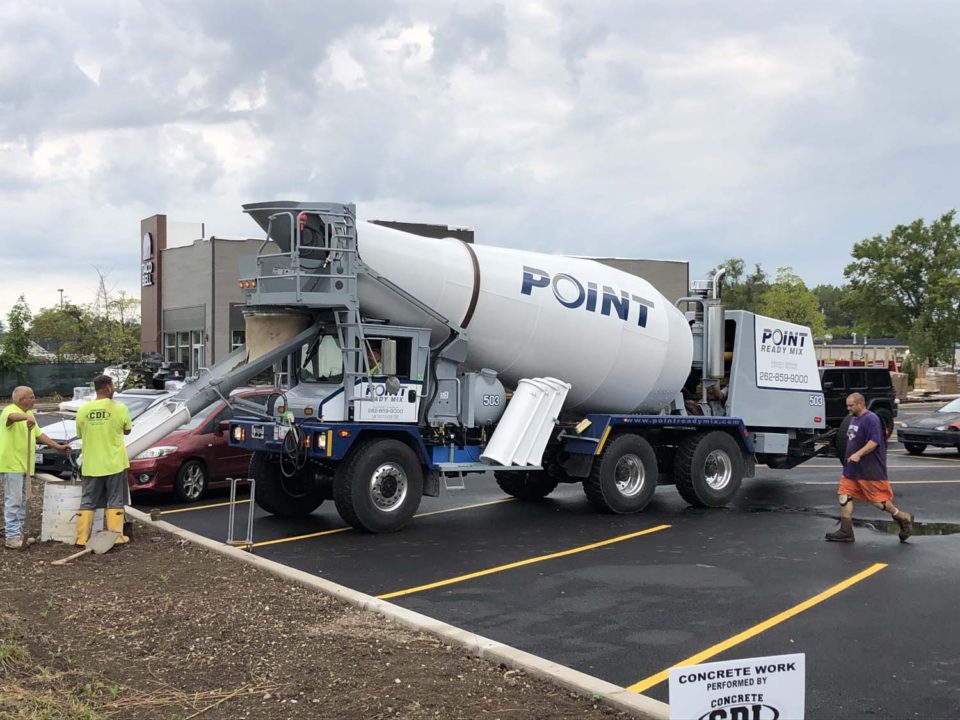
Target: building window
[(184, 347), (237, 338), (170, 347)]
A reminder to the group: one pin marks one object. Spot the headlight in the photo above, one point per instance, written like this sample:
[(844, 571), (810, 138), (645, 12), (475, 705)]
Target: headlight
[(321, 441), (156, 452), (75, 444), (942, 428), (904, 425), (237, 433)]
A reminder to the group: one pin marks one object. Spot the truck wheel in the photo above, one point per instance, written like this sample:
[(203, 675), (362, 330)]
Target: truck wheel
[(378, 489), (840, 439), (280, 495), (526, 485), (708, 469), (915, 448), (887, 419), (191, 481), (624, 477)]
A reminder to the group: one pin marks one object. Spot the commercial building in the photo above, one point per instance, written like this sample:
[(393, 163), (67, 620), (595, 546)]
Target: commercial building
[(191, 304)]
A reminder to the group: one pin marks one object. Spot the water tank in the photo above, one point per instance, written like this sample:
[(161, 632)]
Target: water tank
[(621, 345)]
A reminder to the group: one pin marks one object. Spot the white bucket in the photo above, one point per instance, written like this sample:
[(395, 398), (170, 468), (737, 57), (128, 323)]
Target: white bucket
[(61, 501)]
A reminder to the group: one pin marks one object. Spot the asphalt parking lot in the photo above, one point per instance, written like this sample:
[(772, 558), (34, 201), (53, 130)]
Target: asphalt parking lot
[(626, 597)]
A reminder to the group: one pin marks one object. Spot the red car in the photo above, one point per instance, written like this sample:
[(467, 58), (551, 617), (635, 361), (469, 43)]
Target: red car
[(197, 456)]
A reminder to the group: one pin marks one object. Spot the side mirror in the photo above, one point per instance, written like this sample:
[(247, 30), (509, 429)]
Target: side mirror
[(828, 385), (222, 427)]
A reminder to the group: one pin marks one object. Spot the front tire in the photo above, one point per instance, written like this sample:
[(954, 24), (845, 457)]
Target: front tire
[(916, 448), (526, 485), (277, 494), (379, 488), (191, 481), (709, 469), (624, 477)]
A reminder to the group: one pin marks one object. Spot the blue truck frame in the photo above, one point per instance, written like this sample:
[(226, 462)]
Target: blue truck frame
[(331, 442)]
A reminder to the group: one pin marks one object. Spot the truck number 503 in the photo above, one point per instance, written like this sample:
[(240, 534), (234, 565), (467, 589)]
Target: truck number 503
[(816, 400), (491, 400)]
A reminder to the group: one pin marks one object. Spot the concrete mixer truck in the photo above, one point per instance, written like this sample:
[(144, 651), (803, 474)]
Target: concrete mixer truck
[(405, 364)]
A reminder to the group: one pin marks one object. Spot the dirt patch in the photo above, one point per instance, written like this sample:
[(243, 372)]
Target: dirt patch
[(164, 629)]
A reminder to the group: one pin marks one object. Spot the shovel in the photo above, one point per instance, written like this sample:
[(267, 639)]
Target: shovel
[(98, 543), (27, 487)]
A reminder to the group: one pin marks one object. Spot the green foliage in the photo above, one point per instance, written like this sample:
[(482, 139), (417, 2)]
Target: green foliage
[(742, 291), (841, 321), (16, 343), (789, 299), (909, 369), (109, 334), (62, 330), (907, 284)]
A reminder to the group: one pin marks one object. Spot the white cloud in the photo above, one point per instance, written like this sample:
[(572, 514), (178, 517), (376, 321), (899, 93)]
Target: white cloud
[(780, 134)]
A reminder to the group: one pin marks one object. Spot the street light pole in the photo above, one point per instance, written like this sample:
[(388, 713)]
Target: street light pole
[(60, 290)]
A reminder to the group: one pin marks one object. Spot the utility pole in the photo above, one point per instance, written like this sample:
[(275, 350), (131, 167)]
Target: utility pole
[(60, 290)]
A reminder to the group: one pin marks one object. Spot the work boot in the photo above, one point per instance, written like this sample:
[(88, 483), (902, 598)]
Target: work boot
[(844, 534), (114, 519), (13, 543), (84, 526), (905, 521)]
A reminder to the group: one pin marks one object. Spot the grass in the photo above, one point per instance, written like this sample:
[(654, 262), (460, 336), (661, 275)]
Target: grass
[(20, 700), (13, 657)]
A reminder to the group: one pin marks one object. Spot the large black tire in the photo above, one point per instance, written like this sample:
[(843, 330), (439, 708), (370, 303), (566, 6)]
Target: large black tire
[(191, 481), (709, 469), (526, 485), (379, 487), (886, 417), (915, 448), (840, 440), (624, 477), (284, 496)]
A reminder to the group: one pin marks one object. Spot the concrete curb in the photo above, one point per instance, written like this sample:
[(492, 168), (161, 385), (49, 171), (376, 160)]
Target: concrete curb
[(615, 696)]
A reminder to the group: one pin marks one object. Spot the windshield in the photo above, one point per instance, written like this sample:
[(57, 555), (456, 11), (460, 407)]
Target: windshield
[(136, 404), (951, 407), (201, 417), (324, 364)]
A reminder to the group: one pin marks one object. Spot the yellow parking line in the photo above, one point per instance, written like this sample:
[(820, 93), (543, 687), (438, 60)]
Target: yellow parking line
[(199, 507), (343, 529), (301, 537), (466, 507), (757, 629), (521, 563), (837, 467), (892, 482)]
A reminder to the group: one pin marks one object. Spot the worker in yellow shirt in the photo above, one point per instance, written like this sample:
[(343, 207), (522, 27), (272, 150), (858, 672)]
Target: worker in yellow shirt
[(101, 425), (19, 433)]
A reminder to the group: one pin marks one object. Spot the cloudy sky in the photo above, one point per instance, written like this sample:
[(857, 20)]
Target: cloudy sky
[(778, 132)]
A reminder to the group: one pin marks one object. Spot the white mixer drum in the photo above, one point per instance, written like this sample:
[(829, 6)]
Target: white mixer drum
[(620, 343)]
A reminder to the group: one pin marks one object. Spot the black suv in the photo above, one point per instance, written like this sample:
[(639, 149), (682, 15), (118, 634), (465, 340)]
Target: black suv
[(873, 383)]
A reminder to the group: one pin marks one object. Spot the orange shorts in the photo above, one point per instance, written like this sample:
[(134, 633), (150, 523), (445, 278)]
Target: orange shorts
[(873, 491)]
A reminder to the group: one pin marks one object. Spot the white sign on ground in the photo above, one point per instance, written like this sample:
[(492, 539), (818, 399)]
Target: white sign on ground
[(766, 688), (786, 357)]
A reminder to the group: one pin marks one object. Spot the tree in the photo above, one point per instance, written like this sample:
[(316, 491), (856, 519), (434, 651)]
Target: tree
[(839, 318), (60, 329), (789, 299), (907, 284), (740, 291), (16, 343), (112, 326)]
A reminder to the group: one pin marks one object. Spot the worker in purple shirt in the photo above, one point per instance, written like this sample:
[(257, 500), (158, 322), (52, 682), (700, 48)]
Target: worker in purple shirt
[(865, 472)]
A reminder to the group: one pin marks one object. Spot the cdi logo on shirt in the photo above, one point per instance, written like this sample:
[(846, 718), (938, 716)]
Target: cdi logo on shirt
[(98, 415)]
